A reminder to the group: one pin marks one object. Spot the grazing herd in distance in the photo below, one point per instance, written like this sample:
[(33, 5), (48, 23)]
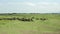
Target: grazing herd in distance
[(24, 19)]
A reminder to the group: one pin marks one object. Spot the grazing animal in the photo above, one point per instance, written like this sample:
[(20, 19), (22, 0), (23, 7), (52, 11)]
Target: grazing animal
[(37, 18), (18, 18), (0, 19), (9, 18), (14, 18), (43, 19), (25, 19)]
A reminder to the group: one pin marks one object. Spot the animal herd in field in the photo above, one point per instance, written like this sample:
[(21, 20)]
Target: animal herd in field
[(24, 19)]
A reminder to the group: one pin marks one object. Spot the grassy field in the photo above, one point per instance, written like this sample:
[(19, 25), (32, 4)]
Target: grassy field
[(49, 26)]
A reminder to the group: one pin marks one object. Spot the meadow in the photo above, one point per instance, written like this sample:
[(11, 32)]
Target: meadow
[(49, 26)]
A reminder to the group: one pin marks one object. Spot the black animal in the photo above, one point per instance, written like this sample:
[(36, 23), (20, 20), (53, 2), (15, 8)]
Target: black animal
[(25, 19), (18, 18), (8, 19), (0, 19), (37, 18), (14, 18), (43, 19)]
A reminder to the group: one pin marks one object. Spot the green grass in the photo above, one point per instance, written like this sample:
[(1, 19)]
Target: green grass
[(49, 26)]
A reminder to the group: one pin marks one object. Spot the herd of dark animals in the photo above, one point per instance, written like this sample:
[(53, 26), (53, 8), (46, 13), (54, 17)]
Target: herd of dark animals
[(23, 19)]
